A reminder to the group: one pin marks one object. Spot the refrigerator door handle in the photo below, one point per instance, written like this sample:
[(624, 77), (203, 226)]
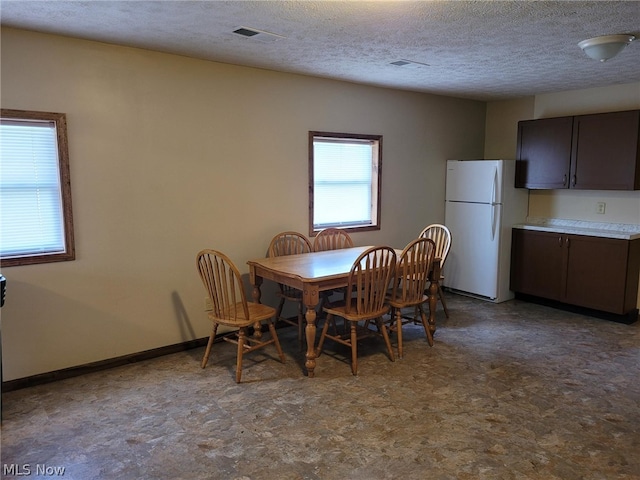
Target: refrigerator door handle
[(494, 222), (494, 187)]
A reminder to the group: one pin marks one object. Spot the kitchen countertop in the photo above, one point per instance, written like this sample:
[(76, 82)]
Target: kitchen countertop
[(579, 227)]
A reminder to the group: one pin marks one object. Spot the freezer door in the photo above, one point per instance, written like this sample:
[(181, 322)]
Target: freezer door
[(472, 264), (477, 181)]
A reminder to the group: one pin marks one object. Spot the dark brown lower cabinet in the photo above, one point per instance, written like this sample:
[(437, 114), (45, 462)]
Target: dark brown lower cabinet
[(592, 272)]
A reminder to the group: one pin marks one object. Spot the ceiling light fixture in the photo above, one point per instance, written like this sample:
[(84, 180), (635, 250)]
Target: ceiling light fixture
[(605, 47)]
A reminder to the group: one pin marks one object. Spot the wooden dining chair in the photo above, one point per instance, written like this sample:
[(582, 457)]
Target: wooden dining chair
[(331, 239), (412, 278), (223, 284), (368, 281), (290, 243), (441, 236)]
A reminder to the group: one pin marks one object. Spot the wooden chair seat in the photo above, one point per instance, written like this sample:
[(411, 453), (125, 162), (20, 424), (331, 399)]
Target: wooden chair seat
[(257, 313), (342, 308)]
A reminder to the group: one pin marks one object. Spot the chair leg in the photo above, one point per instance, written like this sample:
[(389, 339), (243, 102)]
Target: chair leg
[(425, 325), (276, 340), (385, 335), (324, 302), (279, 309), (300, 325), (444, 304), (323, 335), (399, 331), (335, 329), (354, 348), (207, 351), (242, 338)]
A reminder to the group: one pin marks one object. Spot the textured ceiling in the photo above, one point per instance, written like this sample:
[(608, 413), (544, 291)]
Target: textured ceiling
[(485, 50)]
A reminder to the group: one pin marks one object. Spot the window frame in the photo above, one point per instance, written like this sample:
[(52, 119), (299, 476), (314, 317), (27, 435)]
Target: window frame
[(376, 191), (60, 121)]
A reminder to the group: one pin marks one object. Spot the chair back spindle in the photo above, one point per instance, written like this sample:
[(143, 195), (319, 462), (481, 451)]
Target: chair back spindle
[(369, 280), (441, 236), (289, 243), (331, 239), (223, 282), (413, 270)]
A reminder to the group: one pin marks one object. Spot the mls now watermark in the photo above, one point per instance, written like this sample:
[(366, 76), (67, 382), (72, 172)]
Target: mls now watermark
[(27, 469)]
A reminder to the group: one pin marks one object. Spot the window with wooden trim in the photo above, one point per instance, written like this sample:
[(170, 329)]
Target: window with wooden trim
[(36, 222), (345, 173)]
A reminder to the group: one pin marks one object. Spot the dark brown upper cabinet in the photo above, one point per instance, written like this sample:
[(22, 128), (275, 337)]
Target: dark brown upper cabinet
[(589, 152), (544, 153)]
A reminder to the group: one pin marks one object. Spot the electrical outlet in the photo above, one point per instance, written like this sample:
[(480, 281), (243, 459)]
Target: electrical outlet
[(207, 304), (600, 207)]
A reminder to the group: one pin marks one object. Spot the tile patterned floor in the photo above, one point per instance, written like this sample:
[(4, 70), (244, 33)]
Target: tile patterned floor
[(509, 391)]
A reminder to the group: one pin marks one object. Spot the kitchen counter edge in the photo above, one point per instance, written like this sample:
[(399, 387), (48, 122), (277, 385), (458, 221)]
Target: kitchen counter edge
[(578, 227)]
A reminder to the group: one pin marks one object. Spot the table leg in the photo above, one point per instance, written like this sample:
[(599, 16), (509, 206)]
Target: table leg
[(256, 294), (433, 303), (310, 333), (433, 294), (311, 298)]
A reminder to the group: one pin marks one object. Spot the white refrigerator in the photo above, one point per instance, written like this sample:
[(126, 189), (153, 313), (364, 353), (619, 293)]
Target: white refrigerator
[(481, 206)]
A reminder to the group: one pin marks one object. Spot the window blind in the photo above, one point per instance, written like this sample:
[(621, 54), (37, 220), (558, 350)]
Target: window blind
[(31, 215), (342, 178)]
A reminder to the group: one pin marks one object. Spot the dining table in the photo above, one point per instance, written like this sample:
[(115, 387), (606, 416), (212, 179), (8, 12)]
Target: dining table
[(316, 272)]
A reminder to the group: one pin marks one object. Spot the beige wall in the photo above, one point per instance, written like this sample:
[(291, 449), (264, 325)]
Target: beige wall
[(170, 155), (591, 100), (502, 126)]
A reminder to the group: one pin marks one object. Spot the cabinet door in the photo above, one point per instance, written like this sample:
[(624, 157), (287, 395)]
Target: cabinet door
[(537, 263), (544, 153), (605, 151), (597, 273)]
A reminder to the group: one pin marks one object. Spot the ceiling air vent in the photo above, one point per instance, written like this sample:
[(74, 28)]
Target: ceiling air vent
[(409, 64), (256, 34)]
